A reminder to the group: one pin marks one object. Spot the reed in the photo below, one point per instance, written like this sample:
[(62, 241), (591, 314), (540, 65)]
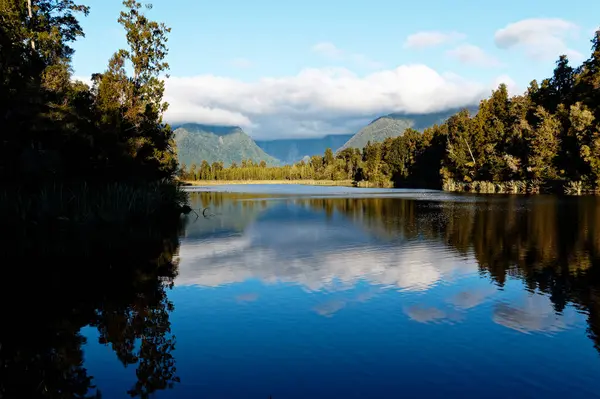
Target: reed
[(488, 187), (84, 203)]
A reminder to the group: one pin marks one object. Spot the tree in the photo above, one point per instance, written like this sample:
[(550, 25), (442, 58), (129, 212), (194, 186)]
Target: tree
[(460, 162), (132, 107), (328, 158), (543, 144), (205, 171), (587, 81), (372, 157), (588, 140), (34, 77)]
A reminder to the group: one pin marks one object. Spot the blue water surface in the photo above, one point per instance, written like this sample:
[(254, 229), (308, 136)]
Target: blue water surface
[(302, 296)]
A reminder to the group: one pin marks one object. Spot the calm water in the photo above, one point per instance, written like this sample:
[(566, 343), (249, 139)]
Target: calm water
[(306, 292)]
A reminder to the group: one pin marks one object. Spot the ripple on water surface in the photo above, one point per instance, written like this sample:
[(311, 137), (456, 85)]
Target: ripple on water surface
[(328, 293)]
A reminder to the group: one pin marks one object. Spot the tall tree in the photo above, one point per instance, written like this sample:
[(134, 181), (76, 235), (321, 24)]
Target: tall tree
[(543, 144), (35, 50), (133, 106), (588, 80)]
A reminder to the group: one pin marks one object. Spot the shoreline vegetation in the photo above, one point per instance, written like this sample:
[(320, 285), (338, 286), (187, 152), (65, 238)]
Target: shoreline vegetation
[(76, 153), (546, 140), (344, 183)]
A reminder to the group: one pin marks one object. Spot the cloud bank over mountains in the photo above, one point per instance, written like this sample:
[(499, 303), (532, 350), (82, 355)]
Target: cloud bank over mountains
[(336, 99), (317, 101)]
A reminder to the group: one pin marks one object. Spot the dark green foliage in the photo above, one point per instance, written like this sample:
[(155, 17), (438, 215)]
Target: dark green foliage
[(89, 204), (59, 130)]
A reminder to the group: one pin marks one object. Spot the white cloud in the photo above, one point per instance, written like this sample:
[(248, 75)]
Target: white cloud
[(431, 39), (241, 63), (535, 314), (300, 254), (472, 298), (470, 54), (330, 51), (185, 111), (540, 38), (424, 314), (332, 100), (431, 314), (512, 87)]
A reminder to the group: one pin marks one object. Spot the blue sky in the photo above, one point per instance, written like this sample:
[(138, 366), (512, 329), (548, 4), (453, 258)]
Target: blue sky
[(314, 67)]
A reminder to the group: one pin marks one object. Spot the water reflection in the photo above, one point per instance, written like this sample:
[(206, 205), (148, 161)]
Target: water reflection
[(533, 314), (550, 244), (315, 297), (114, 282), (469, 299)]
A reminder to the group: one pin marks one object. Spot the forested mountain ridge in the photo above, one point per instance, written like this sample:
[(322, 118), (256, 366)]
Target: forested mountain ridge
[(394, 125), (227, 144), (204, 146)]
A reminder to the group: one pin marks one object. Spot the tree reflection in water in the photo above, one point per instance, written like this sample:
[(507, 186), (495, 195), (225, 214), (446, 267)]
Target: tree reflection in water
[(114, 280), (551, 243), (117, 280)]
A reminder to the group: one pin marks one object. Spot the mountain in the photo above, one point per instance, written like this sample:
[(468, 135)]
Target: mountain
[(293, 150), (394, 125), (228, 144)]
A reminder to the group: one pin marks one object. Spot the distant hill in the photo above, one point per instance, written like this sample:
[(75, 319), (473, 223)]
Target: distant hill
[(293, 150), (228, 144), (394, 125)]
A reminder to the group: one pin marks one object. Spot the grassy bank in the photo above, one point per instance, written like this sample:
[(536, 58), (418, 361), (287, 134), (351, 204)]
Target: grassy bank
[(84, 203), (345, 183), (80, 218), (522, 187)]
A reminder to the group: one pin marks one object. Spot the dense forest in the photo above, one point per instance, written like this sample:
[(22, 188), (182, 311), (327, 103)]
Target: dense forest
[(65, 143), (547, 139)]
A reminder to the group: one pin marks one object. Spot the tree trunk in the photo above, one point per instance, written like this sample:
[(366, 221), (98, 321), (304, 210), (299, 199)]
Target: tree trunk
[(470, 152), (30, 11)]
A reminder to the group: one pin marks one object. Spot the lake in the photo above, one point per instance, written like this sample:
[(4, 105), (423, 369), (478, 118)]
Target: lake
[(333, 292)]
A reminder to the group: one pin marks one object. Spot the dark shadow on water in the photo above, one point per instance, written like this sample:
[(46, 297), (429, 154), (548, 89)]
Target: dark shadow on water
[(114, 279)]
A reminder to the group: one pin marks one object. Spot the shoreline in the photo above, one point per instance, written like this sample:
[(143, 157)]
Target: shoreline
[(200, 183), (477, 187)]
